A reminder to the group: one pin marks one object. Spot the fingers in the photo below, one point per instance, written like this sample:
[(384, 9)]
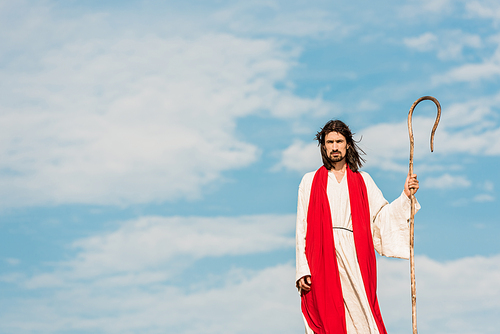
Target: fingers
[(305, 283), (413, 182)]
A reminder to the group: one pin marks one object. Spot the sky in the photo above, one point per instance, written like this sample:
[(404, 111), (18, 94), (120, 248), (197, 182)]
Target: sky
[(151, 152)]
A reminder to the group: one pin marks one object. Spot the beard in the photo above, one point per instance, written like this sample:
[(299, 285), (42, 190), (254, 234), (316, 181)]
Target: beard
[(336, 158)]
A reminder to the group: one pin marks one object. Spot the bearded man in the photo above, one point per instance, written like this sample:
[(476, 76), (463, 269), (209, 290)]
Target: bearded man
[(342, 217)]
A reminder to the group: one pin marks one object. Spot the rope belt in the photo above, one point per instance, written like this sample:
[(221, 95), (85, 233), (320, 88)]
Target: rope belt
[(341, 228)]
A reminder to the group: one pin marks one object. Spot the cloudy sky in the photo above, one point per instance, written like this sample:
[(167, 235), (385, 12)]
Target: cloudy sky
[(151, 151)]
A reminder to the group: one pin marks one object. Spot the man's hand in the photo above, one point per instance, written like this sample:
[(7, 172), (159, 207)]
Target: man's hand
[(411, 183), (304, 283)]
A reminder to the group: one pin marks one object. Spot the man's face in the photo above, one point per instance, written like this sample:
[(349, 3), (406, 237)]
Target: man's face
[(336, 146)]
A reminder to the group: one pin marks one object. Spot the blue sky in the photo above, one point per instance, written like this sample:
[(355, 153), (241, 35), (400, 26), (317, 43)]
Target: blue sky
[(151, 151)]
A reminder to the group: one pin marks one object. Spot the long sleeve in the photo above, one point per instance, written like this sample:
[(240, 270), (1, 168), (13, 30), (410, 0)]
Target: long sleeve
[(302, 267), (390, 228)]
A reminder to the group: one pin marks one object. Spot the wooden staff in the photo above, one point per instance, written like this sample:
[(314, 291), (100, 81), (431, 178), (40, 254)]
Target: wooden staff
[(412, 198)]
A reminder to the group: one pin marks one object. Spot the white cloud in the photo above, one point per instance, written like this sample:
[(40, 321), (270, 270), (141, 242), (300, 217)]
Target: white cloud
[(463, 290), (385, 144), (12, 261), (483, 9), (301, 157), (488, 186), (484, 198), (448, 45), (117, 118), (470, 73), (423, 9), (154, 243), (487, 196), (459, 296), (469, 128), (286, 18), (488, 69), (134, 279), (248, 301), (424, 42), (447, 181)]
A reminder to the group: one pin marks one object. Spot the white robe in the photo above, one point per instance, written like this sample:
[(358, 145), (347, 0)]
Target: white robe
[(391, 237)]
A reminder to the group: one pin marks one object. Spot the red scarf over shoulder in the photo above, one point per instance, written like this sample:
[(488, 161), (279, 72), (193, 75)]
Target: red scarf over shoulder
[(323, 305)]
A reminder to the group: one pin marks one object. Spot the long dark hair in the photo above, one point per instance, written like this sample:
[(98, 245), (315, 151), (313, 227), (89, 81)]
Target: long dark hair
[(353, 157)]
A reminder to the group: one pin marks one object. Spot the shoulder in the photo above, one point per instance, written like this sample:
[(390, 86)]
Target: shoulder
[(307, 178), (306, 184), (367, 178), (371, 186)]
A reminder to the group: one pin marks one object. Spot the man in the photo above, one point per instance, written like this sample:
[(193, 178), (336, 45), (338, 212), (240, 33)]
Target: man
[(341, 217)]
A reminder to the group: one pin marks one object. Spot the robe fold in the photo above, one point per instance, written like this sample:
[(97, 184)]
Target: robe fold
[(390, 237)]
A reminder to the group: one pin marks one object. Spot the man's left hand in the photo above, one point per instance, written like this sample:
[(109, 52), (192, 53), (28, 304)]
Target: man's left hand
[(411, 183)]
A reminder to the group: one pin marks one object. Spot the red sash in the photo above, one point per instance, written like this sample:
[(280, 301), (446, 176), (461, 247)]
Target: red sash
[(323, 305)]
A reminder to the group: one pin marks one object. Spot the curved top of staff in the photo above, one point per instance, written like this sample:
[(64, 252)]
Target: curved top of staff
[(410, 129)]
